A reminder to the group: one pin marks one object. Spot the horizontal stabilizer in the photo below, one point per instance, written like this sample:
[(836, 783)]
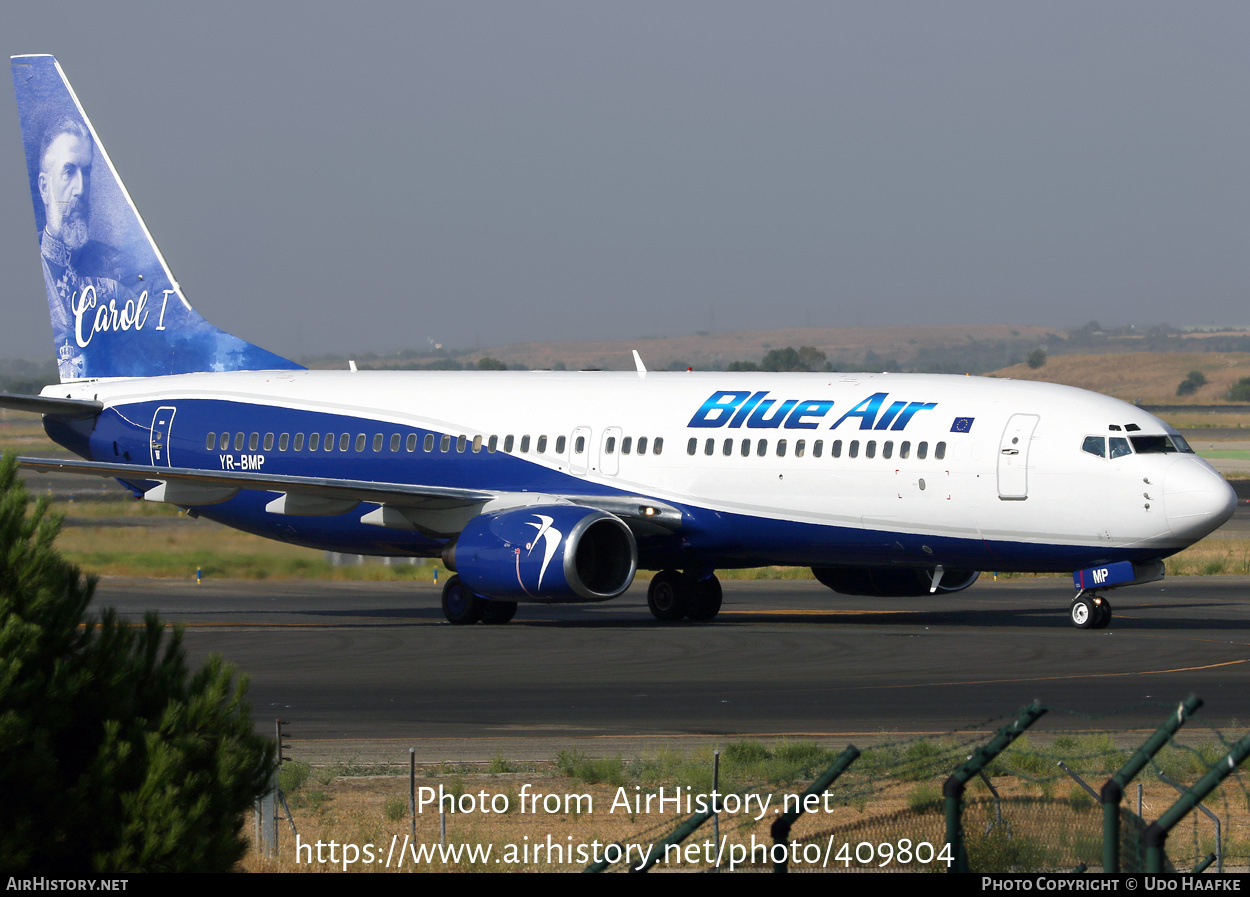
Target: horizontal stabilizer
[(69, 409)]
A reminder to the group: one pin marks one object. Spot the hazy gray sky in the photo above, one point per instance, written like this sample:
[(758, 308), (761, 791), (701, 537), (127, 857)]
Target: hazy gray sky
[(334, 177)]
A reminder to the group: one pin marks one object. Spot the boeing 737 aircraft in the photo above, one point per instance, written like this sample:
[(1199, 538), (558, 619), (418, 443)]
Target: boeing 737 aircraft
[(557, 487)]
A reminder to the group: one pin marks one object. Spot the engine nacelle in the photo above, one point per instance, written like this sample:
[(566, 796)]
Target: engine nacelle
[(893, 582), (546, 553)]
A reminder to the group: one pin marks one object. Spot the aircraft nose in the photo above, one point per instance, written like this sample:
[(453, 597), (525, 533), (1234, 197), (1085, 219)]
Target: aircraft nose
[(1196, 499)]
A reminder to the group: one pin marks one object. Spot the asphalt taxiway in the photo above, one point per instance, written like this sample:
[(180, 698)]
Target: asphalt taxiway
[(367, 669)]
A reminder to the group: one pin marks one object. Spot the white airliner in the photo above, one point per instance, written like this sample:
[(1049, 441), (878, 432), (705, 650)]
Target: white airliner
[(557, 487)]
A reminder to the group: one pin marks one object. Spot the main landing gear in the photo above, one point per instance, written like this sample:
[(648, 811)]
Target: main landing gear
[(461, 607), (1090, 611), (675, 596)]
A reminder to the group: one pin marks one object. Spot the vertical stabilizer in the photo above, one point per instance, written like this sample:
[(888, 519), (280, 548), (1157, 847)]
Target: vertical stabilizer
[(116, 309)]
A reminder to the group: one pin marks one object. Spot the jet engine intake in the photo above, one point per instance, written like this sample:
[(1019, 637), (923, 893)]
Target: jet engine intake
[(546, 553)]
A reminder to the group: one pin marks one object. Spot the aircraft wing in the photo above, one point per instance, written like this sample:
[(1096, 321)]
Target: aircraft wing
[(436, 510)]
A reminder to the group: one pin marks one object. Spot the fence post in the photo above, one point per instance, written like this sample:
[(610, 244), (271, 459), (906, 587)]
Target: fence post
[(953, 788), (1113, 789), (782, 824), (1157, 831)]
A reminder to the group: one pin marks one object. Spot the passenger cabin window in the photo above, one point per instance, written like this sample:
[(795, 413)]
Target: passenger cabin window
[(377, 443), (904, 450), (626, 444), (836, 449), (507, 443), (692, 445), (887, 449), (283, 441), (429, 442), (800, 447), (299, 442), (781, 448), (525, 443), (314, 442), (329, 443), (870, 450), (360, 442), (395, 442), (854, 452), (1095, 445), (492, 444), (728, 448), (922, 451), (410, 444), (642, 445), (477, 443), (579, 445), (225, 441), (940, 451), (817, 448), (212, 441), (238, 442), (561, 442), (542, 444), (709, 447), (345, 441), (461, 442), (444, 444), (268, 442), (746, 448), (657, 445), (761, 448)]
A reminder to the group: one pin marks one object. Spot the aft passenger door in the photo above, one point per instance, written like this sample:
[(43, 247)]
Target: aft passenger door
[(162, 423), (1013, 457)]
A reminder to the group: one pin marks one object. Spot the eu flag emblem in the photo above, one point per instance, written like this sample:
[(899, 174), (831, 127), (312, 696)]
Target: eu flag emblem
[(962, 425)]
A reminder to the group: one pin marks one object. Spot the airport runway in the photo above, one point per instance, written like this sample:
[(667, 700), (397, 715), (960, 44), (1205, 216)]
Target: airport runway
[(366, 669)]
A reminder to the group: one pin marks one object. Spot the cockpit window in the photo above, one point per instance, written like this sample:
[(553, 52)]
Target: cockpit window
[(1119, 447), (1152, 445), (1095, 445), (1158, 445)]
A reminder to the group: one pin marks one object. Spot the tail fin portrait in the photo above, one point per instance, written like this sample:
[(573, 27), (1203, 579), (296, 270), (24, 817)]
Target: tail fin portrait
[(116, 309)]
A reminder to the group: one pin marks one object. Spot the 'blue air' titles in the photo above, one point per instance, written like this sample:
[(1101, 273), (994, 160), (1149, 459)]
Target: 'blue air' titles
[(734, 408)]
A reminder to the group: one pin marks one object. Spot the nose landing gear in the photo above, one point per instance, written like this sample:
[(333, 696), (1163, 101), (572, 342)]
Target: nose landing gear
[(1090, 611)]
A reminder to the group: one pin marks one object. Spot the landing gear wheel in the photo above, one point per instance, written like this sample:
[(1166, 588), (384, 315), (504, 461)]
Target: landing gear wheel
[(460, 606), (1104, 614), (1084, 613), (494, 612), (667, 596), (705, 600)]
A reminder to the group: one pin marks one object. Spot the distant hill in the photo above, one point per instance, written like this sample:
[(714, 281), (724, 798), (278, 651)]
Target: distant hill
[(1146, 365), (1147, 377), (975, 349)]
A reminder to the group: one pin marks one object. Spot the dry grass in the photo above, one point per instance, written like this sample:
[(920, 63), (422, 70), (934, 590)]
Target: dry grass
[(1148, 377), (1216, 554)]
